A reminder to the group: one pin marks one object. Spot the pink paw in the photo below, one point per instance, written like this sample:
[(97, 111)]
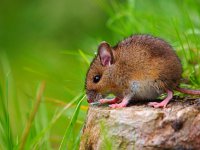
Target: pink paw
[(103, 101), (157, 105), (120, 105), (109, 101)]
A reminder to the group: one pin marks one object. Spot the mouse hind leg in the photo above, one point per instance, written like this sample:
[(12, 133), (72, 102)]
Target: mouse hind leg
[(164, 102)]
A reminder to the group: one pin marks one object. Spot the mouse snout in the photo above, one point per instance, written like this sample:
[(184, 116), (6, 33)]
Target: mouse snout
[(89, 100), (90, 96), (93, 96)]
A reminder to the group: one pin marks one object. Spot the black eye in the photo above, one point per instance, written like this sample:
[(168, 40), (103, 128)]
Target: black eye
[(96, 78)]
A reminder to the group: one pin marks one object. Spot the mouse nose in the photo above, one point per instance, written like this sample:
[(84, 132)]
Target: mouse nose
[(89, 100), (90, 96)]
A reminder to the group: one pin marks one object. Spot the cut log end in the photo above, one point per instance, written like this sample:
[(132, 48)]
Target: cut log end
[(141, 127)]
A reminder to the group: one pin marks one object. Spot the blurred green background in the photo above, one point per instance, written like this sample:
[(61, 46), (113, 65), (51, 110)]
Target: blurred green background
[(54, 41)]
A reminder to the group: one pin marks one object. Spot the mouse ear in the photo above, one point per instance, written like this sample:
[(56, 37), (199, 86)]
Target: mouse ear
[(105, 54)]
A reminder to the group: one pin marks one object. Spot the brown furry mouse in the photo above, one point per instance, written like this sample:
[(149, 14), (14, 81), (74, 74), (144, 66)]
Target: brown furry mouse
[(141, 67)]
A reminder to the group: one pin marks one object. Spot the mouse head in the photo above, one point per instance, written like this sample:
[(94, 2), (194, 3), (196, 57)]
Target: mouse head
[(98, 79)]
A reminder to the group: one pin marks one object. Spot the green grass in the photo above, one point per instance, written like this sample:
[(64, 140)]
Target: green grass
[(5, 127), (55, 119)]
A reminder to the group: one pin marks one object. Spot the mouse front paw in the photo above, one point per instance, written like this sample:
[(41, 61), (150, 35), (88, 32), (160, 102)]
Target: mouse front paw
[(120, 105), (109, 101), (124, 103), (157, 105)]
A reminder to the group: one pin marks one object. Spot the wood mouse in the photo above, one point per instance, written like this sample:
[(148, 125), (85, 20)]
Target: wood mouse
[(141, 67)]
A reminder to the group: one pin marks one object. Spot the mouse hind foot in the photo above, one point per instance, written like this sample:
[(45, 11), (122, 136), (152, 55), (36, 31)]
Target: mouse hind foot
[(164, 103)]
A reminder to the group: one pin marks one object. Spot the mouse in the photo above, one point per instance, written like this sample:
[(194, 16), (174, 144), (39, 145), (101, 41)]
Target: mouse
[(140, 67)]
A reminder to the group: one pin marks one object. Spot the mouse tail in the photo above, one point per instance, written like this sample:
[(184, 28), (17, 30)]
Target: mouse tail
[(188, 91)]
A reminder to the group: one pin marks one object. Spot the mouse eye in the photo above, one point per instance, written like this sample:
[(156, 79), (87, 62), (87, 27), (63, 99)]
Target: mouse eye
[(96, 78)]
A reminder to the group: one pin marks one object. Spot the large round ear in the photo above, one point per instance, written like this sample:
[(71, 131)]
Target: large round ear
[(105, 54)]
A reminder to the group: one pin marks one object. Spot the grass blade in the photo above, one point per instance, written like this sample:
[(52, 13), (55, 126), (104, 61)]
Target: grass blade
[(32, 116), (83, 55), (5, 130), (77, 142), (68, 131), (40, 135)]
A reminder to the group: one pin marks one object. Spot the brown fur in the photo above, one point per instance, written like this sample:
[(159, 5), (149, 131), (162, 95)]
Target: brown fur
[(143, 59)]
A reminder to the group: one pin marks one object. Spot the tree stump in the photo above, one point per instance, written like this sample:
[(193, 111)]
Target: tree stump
[(141, 127)]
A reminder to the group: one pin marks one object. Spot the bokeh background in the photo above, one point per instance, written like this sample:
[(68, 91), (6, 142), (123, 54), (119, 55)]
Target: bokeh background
[(54, 41)]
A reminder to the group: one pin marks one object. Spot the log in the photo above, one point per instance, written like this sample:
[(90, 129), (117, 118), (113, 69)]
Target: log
[(141, 127)]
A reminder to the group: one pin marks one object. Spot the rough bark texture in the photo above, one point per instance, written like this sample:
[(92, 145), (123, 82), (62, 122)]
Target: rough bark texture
[(141, 127)]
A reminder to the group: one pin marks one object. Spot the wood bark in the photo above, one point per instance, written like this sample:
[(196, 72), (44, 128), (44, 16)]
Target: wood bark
[(141, 127)]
